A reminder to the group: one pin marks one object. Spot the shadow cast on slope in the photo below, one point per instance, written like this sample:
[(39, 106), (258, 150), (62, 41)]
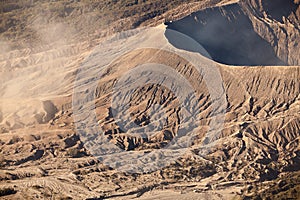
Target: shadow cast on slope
[(227, 34), (276, 9)]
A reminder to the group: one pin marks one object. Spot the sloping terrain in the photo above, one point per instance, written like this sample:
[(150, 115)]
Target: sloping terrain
[(34, 24), (278, 24), (246, 33), (43, 154)]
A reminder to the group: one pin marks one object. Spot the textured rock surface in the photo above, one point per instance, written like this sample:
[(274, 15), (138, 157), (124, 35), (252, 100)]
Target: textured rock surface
[(257, 154), (278, 23)]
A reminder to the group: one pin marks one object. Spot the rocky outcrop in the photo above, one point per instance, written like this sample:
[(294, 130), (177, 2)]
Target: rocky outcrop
[(278, 23)]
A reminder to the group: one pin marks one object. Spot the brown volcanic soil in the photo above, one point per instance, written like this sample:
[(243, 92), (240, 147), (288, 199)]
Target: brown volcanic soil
[(42, 156), (32, 23)]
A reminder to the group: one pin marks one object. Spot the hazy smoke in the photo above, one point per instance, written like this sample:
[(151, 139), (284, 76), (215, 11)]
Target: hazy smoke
[(38, 72), (4, 47)]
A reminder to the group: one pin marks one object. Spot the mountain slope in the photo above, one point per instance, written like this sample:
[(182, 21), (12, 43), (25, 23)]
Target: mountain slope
[(256, 151)]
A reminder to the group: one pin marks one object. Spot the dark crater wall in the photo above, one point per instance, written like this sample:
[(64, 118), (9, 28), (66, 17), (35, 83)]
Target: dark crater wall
[(277, 21), (231, 35), (276, 9)]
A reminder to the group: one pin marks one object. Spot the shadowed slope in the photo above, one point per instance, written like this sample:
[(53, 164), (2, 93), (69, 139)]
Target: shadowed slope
[(228, 36)]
